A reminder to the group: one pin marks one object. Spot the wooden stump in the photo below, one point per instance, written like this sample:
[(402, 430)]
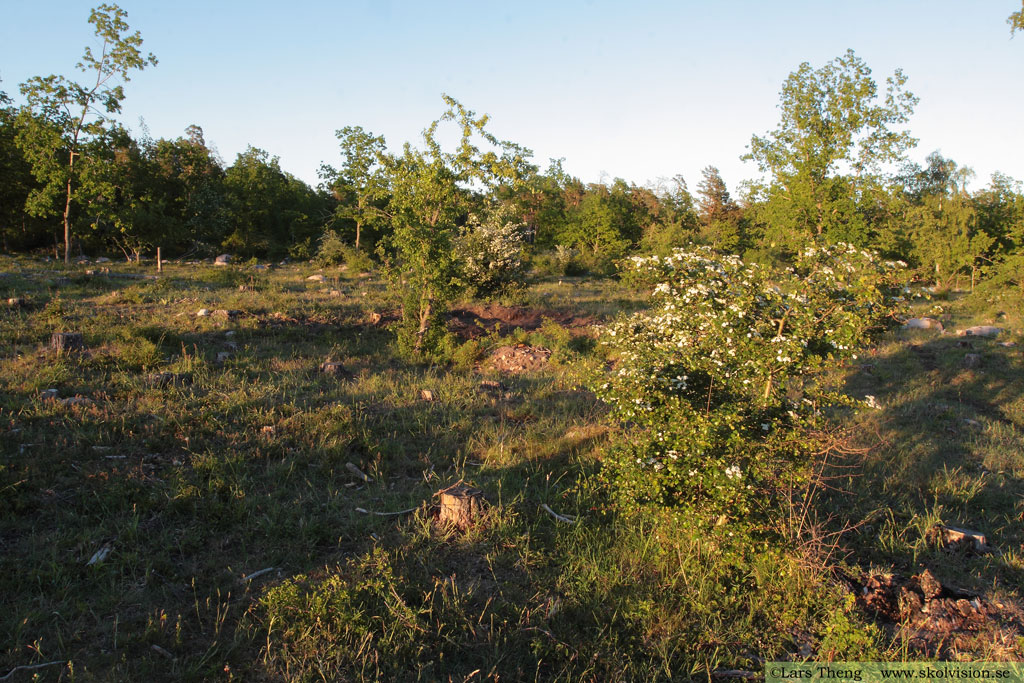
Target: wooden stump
[(67, 341), (461, 505)]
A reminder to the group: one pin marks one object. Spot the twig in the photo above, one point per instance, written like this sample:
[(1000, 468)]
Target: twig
[(358, 472), (28, 667), (261, 572), (560, 518), (386, 514)]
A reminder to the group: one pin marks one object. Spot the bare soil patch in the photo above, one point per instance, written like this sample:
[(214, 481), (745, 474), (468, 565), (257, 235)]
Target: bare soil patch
[(519, 358), (476, 321)]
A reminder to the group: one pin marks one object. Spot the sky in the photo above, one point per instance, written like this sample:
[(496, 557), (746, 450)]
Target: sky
[(641, 91)]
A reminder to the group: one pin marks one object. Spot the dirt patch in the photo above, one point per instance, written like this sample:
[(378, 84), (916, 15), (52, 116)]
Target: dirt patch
[(519, 358), (935, 619), (477, 321)]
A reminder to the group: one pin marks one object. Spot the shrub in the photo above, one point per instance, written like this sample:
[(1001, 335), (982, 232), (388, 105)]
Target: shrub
[(717, 382), (491, 251)]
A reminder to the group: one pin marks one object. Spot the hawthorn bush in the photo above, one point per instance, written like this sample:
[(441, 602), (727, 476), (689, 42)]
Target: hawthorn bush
[(718, 383)]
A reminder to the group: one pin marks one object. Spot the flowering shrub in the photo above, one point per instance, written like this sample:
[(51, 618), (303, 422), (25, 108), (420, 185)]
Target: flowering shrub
[(491, 251), (717, 382)]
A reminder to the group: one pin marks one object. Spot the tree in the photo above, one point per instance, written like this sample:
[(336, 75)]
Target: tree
[(1016, 20), (359, 183), (16, 181), (433, 191), (831, 123), (719, 214), (61, 115)]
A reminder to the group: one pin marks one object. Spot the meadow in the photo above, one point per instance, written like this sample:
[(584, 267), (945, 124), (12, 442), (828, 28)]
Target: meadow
[(196, 497)]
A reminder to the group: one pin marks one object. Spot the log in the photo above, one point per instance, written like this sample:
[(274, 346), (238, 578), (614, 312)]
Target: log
[(67, 341), (461, 506)]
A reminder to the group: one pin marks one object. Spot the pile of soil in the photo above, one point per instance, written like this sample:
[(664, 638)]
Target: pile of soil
[(477, 321), (519, 358), (938, 620)]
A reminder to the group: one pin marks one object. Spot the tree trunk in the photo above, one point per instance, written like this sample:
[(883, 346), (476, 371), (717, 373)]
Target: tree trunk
[(461, 506), (67, 342), (67, 210)]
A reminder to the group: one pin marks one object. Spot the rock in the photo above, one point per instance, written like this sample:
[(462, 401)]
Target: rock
[(375, 318), (49, 395), (923, 324), (222, 260), (102, 259), (335, 368), (980, 331), (15, 302), (975, 540), (167, 379), (260, 266), (972, 361), (318, 277), (77, 401), (426, 395), (67, 342), (224, 313), (364, 275), (223, 356), (1008, 344), (202, 312), (334, 293)]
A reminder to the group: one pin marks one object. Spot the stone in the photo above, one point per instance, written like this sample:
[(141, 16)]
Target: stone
[(222, 260), (102, 259), (930, 586), (77, 401), (975, 540), (923, 324), (334, 293), (375, 318), (972, 361), (260, 266), (15, 302), (223, 356), (318, 277), (980, 331), (224, 313), (202, 312), (334, 368), (49, 395), (426, 395), (1008, 344)]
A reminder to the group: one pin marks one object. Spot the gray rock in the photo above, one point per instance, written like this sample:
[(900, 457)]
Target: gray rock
[(222, 260), (923, 324), (981, 331)]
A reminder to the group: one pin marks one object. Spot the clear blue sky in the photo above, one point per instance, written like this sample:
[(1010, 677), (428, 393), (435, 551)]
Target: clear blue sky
[(638, 91)]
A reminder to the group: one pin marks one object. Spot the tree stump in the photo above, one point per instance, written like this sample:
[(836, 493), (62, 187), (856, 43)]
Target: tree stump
[(67, 342), (461, 505)]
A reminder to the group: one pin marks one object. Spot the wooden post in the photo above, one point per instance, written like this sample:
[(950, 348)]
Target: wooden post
[(461, 505), (159, 262), (67, 341)]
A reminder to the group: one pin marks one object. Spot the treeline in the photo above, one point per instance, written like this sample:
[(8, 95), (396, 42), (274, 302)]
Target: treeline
[(835, 169)]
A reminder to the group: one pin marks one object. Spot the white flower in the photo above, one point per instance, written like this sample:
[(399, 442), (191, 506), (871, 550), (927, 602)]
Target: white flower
[(733, 472)]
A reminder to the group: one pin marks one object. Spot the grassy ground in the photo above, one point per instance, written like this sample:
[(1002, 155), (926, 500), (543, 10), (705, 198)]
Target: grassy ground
[(232, 532)]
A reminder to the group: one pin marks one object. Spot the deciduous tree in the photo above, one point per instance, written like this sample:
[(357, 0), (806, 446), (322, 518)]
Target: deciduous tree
[(62, 115)]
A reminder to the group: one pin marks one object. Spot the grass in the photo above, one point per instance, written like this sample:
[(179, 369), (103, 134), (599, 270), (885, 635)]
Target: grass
[(198, 486)]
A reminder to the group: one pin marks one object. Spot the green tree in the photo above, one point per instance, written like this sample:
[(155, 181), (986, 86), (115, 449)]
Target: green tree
[(62, 116), (16, 181), (271, 212), (433, 191), (359, 184), (1016, 20), (832, 134)]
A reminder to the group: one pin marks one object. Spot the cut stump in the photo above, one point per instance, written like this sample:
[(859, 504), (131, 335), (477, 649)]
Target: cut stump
[(67, 342), (461, 506)]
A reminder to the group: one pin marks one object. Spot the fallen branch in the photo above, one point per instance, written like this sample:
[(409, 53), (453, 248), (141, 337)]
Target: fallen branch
[(386, 514), (261, 572), (560, 518), (28, 667)]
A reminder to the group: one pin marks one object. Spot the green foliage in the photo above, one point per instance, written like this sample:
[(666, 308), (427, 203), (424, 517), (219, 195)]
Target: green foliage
[(491, 250), (360, 185), (718, 382), (432, 192), (830, 124), (1016, 20), (61, 116)]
